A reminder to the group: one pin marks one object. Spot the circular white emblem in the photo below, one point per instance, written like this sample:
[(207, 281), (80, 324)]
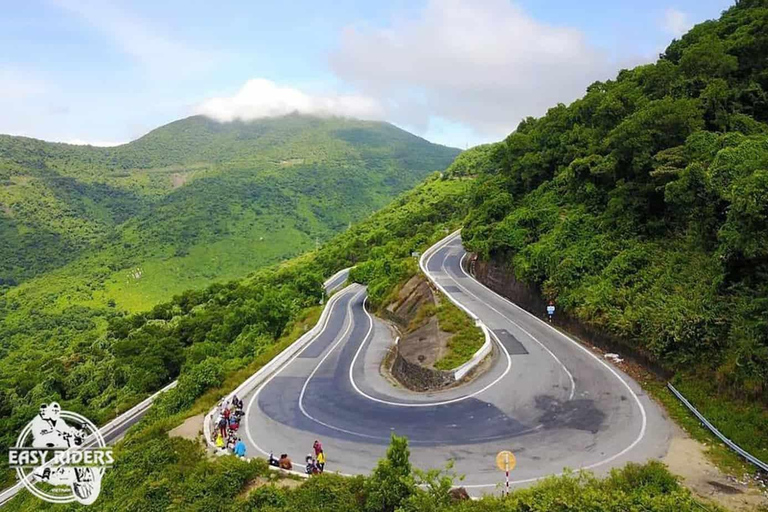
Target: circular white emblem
[(61, 456)]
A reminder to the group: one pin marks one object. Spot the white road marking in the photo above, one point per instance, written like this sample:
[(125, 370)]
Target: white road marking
[(331, 303), (644, 422), (568, 373), (419, 404), (477, 486)]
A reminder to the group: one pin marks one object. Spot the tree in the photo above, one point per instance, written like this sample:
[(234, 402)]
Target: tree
[(392, 481)]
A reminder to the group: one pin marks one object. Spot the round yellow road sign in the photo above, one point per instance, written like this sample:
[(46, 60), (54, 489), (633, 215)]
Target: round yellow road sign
[(506, 461)]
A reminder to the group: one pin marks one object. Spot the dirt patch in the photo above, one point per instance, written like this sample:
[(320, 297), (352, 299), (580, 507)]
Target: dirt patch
[(687, 458), (192, 428), (425, 345), (413, 312), (421, 342), (179, 179)]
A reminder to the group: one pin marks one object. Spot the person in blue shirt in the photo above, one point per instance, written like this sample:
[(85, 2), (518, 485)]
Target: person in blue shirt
[(240, 448)]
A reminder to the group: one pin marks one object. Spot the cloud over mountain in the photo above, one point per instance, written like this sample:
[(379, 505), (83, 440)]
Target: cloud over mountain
[(260, 98)]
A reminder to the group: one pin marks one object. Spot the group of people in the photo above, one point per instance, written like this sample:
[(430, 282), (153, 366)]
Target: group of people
[(227, 426), (315, 464), (227, 439)]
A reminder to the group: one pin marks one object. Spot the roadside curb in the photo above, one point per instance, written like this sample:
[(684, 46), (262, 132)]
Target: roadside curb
[(487, 347), (271, 367)]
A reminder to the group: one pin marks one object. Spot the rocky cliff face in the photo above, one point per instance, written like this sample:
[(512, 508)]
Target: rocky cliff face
[(422, 343), (500, 277)]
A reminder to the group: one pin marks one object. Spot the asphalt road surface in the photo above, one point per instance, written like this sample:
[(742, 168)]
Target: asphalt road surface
[(544, 397)]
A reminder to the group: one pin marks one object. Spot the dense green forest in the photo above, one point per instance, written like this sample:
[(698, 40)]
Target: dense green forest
[(218, 336), (642, 208)]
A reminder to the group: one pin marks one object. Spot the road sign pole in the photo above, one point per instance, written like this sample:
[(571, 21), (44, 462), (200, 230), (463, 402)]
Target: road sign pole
[(506, 470), (506, 462)]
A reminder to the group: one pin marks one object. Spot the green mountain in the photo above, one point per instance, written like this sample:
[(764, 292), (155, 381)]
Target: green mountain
[(193, 201), (642, 210)]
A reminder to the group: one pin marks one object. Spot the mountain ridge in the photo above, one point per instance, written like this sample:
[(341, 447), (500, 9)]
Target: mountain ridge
[(61, 201)]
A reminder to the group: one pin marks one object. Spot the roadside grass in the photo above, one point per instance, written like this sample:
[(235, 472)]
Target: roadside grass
[(720, 455), (743, 422), (727, 416), (467, 337)]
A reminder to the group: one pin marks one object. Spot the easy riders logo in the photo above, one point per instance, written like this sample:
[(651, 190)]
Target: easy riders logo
[(60, 456)]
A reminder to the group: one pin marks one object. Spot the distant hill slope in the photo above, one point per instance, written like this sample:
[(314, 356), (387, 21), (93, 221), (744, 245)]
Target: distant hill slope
[(194, 200)]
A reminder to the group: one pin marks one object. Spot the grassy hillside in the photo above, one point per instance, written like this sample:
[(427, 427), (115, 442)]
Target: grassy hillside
[(99, 361), (94, 233), (283, 182)]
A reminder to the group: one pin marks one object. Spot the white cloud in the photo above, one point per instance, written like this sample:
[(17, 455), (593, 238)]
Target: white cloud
[(676, 22), (486, 64), (150, 45), (260, 98)]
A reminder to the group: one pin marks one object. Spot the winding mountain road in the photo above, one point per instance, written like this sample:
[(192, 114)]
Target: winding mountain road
[(544, 397)]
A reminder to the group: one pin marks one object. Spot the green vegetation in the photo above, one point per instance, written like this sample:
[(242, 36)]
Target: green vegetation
[(466, 337), (99, 362), (192, 202), (214, 338), (129, 234), (641, 209), (179, 476)]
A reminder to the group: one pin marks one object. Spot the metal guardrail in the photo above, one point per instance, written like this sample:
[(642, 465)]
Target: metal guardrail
[(733, 446)]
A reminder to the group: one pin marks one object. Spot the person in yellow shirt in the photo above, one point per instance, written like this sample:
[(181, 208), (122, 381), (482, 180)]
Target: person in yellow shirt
[(321, 461)]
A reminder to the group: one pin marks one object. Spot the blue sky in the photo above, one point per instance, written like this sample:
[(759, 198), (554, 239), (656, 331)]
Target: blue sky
[(458, 72)]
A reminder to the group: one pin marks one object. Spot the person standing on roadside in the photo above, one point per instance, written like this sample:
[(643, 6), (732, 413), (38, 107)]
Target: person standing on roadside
[(320, 461), (240, 448)]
